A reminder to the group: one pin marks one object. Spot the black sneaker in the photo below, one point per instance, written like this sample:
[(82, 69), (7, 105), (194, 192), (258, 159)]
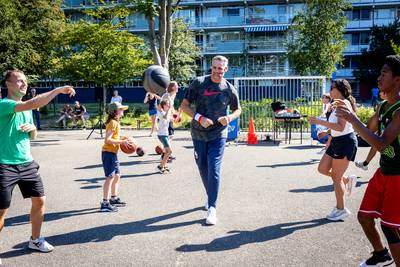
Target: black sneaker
[(378, 258), (117, 202), (107, 207)]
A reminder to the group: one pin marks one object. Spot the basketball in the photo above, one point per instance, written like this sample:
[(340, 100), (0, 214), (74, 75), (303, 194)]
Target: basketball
[(176, 117), (159, 150), (130, 147), (140, 151), (156, 79)]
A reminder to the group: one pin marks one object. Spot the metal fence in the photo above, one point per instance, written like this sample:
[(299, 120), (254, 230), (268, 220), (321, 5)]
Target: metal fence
[(301, 93)]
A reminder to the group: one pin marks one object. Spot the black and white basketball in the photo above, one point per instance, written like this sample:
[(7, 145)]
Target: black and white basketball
[(156, 79)]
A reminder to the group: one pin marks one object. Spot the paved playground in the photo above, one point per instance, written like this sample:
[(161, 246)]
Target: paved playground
[(271, 208)]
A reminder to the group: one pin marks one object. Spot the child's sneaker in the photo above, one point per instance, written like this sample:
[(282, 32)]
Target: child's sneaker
[(117, 202), (107, 207), (165, 170), (40, 244)]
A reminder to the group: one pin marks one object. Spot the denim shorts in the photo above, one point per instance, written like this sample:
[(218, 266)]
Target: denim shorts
[(152, 112), (110, 163), (164, 140)]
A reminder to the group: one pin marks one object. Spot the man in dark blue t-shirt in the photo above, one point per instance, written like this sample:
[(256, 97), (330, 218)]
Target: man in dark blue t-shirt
[(210, 97)]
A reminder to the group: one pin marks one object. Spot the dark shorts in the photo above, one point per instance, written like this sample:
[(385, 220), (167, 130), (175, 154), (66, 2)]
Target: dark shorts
[(27, 178), (152, 112), (110, 163), (164, 140), (344, 146)]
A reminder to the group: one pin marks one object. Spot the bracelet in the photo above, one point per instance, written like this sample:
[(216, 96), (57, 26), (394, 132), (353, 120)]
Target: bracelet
[(198, 117)]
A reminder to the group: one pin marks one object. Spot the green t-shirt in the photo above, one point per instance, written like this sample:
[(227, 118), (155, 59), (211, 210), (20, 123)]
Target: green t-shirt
[(15, 145)]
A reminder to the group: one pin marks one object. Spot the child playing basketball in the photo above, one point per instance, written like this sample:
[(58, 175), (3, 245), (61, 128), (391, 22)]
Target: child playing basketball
[(164, 117), (109, 157)]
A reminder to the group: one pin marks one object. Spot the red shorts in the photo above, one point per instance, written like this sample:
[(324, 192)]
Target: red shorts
[(382, 199)]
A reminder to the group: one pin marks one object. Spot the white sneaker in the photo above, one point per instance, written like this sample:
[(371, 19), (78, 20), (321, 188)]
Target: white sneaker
[(360, 164), (351, 184), (334, 210), (322, 151), (206, 206), (211, 216), (339, 215), (40, 244)]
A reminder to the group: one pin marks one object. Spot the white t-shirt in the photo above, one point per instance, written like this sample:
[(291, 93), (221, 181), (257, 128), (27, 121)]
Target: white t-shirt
[(116, 99), (163, 123), (348, 128)]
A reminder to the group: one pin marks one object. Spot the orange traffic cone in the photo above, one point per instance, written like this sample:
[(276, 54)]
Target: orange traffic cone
[(251, 136)]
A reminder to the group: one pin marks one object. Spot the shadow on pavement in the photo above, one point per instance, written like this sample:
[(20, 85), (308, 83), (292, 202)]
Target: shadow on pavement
[(93, 181), (239, 238), (301, 163), (126, 163), (321, 189), (108, 232), (24, 219), (303, 147)]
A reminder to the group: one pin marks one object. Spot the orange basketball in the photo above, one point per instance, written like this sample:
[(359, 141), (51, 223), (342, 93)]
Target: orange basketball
[(140, 151), (130, 147), (159, 150), (176, 117)]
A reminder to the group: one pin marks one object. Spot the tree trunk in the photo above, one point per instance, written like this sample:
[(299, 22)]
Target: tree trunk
[(162, 31), (152, 40), (168, 37)]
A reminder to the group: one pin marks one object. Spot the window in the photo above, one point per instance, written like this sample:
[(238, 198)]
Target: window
[(231, 12), (364, 38), (355, 63), (356, 15), (355, 39), (365, 14)]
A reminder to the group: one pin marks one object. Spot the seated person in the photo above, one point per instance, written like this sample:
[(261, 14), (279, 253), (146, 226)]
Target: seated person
[(65, 115), (79, 114)]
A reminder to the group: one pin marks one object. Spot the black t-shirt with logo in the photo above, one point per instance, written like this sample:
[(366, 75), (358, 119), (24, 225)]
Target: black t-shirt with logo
[(212, 101), (79, 110)]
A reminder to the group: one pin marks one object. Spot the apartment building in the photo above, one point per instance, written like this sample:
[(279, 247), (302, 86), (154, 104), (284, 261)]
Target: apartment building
[(251, 33)]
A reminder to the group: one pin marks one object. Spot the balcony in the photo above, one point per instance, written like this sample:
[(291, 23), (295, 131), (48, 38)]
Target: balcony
[(267, 20), (222, 21), (344, 73), (383, 21), (276, 46), (355, 24), (265, 71), (355, 49), (227, 47)]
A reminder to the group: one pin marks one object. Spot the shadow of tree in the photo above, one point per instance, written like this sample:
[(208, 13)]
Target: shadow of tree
[(302, 163), (108, 232), (239, 238)]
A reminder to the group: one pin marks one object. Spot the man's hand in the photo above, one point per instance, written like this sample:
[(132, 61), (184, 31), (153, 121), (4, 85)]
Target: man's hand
[(27, 128), (224, 120), (343, 111), (66, 90), (206, 122)]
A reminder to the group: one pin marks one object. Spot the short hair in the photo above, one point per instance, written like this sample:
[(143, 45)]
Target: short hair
[(171, 86), (327, 96), (393, 61), (8, 74), (164, 102), (220, 58)]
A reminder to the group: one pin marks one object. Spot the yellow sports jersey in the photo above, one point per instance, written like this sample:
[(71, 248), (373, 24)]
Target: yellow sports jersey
[(113, 126)]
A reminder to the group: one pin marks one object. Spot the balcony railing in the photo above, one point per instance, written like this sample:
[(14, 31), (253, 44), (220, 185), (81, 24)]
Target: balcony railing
[(344, 73), (222, 21), (359, 24), (228, 46), (272, 45), (355, 48)]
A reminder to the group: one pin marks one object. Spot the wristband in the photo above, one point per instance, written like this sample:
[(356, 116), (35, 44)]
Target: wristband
[(198, 117)]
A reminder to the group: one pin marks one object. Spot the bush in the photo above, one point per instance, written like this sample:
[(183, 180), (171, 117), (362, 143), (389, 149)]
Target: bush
[(365, 113)]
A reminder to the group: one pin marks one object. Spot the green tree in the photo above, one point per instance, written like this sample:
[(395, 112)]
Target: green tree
[(315, 42), (382, 43), (27, 31), (99, 52), (184, 52)]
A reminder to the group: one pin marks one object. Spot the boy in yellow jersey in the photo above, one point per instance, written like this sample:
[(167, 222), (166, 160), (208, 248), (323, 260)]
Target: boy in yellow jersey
[(109, 157)]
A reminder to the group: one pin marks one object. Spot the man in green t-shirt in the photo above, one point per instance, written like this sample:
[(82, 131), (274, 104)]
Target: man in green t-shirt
[(17, 166)]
